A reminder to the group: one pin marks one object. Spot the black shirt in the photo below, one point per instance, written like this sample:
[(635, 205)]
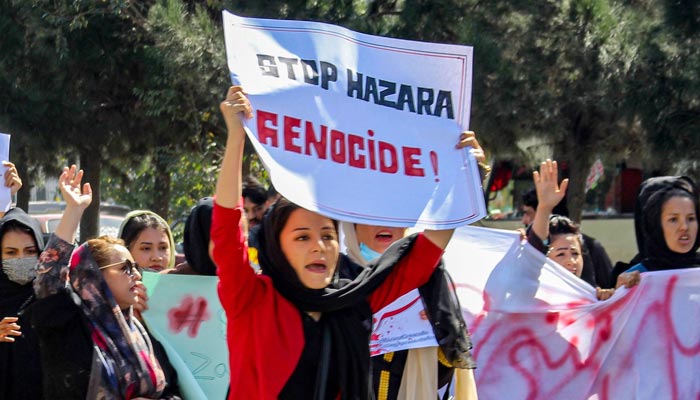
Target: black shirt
[(302, 383)]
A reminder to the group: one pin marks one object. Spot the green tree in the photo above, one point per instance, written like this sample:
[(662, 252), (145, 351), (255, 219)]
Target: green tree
[(79, 61), (666, 90)]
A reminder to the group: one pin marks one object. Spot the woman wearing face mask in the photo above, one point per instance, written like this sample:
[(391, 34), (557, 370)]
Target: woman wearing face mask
[(20, 366), (91, 344), (20, 244), (417, 373), (310, 335), (666, 227)]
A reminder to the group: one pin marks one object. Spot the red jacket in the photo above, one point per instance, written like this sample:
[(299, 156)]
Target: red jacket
[(264, 330)]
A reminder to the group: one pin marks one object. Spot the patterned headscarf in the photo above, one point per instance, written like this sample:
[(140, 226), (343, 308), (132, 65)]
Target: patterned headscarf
[(124, 364)]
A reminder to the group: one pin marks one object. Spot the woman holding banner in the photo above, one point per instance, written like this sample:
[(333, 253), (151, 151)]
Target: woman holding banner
[(91, 344), (555, 235), (299, 330), (418, 373), (666, 226)]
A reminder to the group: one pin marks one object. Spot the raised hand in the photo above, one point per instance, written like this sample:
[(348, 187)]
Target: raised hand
[(468, 138), (77, 201), (9, 328), (228, 186), (235, 106), (69, 182), (549, 191), (12, 179)]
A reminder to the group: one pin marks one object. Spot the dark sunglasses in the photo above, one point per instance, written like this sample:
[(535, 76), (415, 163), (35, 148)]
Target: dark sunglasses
[(128, 267)]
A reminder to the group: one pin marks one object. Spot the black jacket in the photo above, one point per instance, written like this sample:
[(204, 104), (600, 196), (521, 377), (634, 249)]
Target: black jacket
[(67, 349), (20, 366)]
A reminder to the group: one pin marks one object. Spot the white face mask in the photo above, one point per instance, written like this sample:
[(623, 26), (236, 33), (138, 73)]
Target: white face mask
[(20, 270)]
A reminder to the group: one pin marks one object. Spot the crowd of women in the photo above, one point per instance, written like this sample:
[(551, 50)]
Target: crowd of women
[(72, 322)]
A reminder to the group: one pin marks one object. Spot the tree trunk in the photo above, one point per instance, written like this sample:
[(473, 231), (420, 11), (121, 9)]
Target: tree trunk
[(91, 163), (163, 184), (578, 155), (576, 193), (23, 194)]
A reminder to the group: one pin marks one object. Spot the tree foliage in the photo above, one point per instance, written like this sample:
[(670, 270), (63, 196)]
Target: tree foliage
[(133, 87)]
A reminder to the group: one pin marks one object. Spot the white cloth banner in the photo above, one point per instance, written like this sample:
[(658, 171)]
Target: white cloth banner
[(540, 333), (352, 125)]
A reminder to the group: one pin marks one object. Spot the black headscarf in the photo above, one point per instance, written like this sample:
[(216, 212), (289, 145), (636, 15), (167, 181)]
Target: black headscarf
[(343, 303), (654, 253), (196, 238), (17, 217), (19, 361)]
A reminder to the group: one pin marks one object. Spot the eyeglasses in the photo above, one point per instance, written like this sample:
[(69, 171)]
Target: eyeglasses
[(128, 268)]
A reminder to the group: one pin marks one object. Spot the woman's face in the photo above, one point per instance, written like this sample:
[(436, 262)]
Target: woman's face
[(679, 224), (378, 238), (566, 251), (17, 244), (121, 279), (309, 241), (151, 249)]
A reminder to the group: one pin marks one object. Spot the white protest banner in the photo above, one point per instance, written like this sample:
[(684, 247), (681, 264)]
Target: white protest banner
[(5, 192), (539, 332), (352, 125), (185, 315), (401, 325)]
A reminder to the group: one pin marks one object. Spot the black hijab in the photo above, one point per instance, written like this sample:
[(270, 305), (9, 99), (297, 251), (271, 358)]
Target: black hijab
[(11, 292), (196, 238), (19, 361), (654, 254), (343, 303), (653, 251)]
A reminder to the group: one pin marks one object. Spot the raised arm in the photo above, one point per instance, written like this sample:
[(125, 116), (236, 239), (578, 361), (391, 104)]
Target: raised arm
[(237, 284), (549, 194), (229, 186), (57, 253), (12, 180), (77, 201)]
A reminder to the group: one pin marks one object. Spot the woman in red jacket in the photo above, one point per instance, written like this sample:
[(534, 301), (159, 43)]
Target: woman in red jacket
[(298, 331)]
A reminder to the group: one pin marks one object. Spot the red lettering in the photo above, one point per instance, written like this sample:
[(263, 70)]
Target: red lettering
[(390, 166), (319, 145), (370, 148), (267, 131), (411, 162), (355, 142), (338, 146), (290, 123), (357, 151)]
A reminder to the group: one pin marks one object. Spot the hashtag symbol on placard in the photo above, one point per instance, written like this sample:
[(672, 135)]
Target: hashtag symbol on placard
[(190, 313)]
